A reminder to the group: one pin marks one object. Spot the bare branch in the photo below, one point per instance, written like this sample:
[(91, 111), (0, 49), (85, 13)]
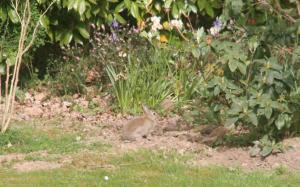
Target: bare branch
[(298, 7), (36, 28)]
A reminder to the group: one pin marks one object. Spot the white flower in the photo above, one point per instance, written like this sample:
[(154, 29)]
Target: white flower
[(78, 138), (155, 24), (176, 23), (214, 31), (9, 145), (106, 178)]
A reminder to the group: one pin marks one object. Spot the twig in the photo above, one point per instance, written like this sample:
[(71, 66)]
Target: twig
[(181, 34), (36, 28), (277, 9), (189, 20), (298, 7)]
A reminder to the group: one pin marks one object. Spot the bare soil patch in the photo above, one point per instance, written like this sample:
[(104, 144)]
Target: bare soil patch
[(240, 157), (19, 163), (35, 166), (11, 157)]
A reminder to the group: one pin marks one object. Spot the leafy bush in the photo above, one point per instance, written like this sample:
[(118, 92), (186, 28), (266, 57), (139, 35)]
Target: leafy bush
[(250, 73)]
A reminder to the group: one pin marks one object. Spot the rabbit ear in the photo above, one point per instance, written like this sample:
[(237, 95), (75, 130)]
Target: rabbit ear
[(145, 109)]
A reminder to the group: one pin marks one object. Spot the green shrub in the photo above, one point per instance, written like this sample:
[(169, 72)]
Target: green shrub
[(250, 76)]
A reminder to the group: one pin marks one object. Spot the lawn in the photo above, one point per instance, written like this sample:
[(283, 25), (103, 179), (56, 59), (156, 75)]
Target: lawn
[(102, 164), (153, 171)]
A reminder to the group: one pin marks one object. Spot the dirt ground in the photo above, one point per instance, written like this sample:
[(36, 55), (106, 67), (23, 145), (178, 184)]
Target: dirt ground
[(106, 126)]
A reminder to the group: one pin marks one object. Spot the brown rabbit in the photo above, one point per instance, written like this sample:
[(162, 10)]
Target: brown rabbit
[(139, 127)]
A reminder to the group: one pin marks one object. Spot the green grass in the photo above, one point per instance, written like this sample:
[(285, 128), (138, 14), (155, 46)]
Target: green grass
[(90, 163), (26, 138), (145, 168)]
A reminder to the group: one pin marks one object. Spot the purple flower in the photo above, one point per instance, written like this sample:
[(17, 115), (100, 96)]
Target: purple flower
[(217, 23), (115, 24)]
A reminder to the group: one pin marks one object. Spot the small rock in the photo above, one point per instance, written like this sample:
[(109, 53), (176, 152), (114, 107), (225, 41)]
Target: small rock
[(67, 104), (76, 96)]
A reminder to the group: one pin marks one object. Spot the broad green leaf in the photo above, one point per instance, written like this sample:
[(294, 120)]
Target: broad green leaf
[(81, 7), (134, 10), (268, 112), (127, 3), (217, 91), (168, 4), (209, 10), (71, 4), (109, 18), (266, 151), (196, 52), (119, 18), (51, 34), (201, 4), (96, 10), (93, 1), (217, 108), (41, 1), (66, 37), (13, 16), (78, 39), (88, 14), (231, 121), (242, 67), (235, 109), (270, 78), (282, 120), (192, 8), (237, 6), (120, 7), (232, 65), (175, 11), (83, 31), (45, 21), (253, 118), (3, 14)]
